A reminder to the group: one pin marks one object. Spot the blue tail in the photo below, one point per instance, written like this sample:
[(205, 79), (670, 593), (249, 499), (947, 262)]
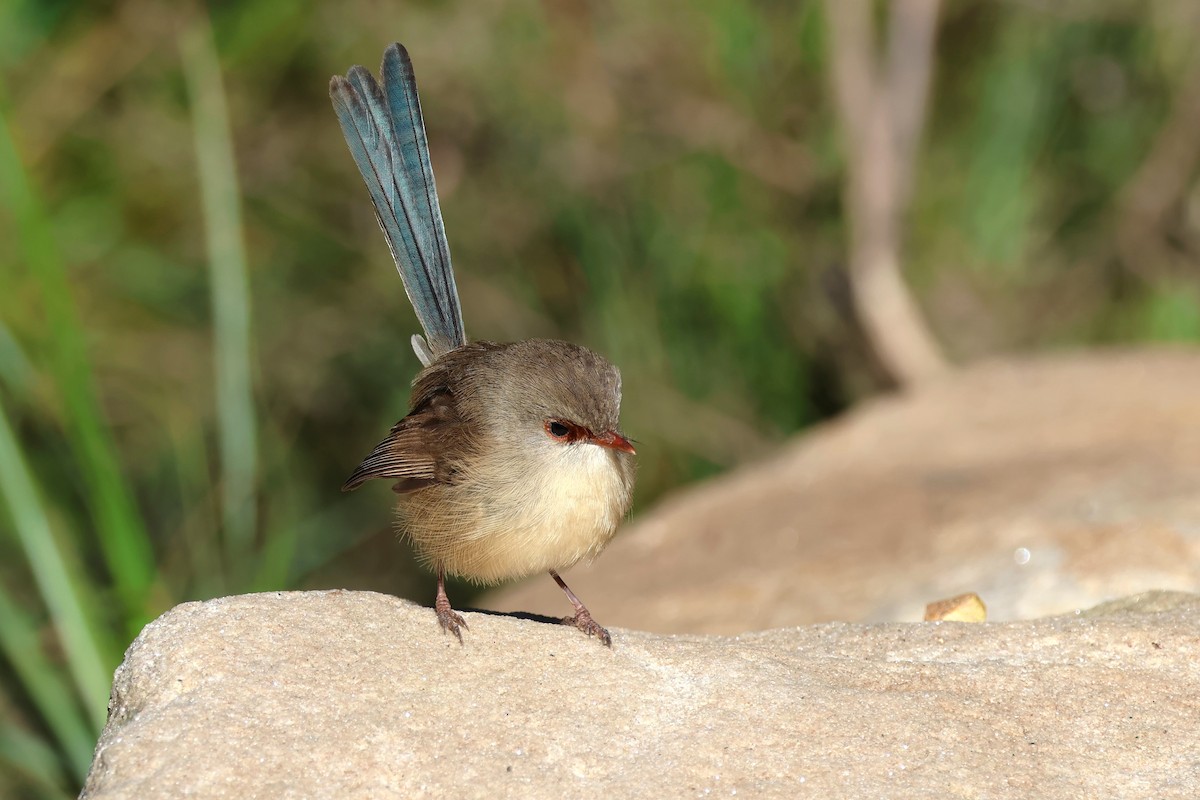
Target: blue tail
[(386, 135)]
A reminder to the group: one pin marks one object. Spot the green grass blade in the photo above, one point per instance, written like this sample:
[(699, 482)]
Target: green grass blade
[(204, 575), (15, 372), (123, 538), (23, 753), (39, 680), (230, 287), (61, 591)]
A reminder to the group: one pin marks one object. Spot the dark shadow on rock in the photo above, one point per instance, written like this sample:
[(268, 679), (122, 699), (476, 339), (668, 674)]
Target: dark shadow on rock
[(526, 615)]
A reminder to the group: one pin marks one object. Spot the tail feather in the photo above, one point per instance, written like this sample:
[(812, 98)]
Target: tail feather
[(386, 136)]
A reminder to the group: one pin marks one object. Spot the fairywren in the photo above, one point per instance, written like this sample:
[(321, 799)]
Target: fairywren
[(511, 460)]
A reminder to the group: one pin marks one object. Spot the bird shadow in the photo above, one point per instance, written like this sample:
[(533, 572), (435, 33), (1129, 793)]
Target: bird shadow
[(525, 615)]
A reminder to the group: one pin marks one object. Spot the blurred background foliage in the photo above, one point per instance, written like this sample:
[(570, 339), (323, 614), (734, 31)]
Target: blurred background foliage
[(201, 332)]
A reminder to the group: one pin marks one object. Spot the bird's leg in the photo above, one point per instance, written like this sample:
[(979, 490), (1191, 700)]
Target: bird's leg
[(583, 618), (448, 618)]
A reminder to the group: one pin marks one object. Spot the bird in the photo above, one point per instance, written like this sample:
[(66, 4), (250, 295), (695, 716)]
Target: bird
[(510, 461)]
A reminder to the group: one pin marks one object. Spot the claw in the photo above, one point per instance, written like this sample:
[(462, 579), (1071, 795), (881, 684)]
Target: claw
[(583, 618), (450, 620)]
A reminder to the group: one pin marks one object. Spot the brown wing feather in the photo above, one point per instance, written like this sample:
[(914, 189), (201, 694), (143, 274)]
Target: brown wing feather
[(414, 451), (423, 448)]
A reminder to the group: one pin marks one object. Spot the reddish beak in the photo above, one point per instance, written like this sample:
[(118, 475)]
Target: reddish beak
[(614, 440)]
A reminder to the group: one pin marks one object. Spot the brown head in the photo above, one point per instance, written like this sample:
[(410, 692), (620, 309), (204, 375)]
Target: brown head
[(541, 390)]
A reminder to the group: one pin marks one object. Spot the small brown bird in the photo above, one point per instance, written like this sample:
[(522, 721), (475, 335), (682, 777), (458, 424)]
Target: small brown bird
[(511, 460)]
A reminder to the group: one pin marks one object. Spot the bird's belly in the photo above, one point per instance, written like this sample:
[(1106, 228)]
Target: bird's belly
[(491, 531)]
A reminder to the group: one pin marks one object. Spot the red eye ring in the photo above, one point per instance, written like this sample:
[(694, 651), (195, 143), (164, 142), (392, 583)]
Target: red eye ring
[(558, 430)]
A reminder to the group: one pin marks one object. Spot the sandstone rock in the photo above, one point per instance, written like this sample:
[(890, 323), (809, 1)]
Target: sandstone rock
[(1043, 485), (357, 695)]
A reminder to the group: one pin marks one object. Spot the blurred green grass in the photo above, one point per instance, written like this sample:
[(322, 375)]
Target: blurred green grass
[(201, 332)]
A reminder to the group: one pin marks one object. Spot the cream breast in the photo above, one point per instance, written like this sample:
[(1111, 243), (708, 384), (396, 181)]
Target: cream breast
[(546, 506)]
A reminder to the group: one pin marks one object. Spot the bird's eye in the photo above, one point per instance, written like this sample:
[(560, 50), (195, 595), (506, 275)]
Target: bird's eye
[(557, 429)]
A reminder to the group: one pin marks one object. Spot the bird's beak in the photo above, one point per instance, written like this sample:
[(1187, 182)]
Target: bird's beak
[(613, 440)]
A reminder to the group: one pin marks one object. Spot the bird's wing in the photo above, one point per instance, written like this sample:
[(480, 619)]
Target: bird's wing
[(415, 452)]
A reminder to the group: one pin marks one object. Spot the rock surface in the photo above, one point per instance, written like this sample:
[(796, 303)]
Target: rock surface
[(357, 695), (1044, 485)]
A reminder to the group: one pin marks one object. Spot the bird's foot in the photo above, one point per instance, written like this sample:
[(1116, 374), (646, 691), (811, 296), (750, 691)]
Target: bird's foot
[(450, 620), (583, 620)]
